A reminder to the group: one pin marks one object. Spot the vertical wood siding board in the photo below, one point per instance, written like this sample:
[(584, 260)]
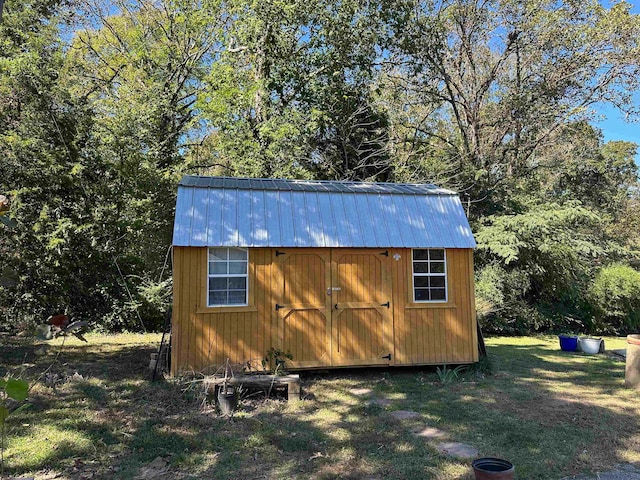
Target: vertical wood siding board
[(468, 320), (187, 284), (472, 304), (466, 312), (450, 334), (399, 301), (436, 342), (260, 304), (201, 267), (456, 314), (370, 327), (406, 314), (176, 313), (199, 357), (461, 307), (433, 333), (453, 313), (328, 335), (393, 343), (193, 280)]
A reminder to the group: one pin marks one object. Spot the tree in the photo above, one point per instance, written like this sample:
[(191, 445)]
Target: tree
[(490, 83)]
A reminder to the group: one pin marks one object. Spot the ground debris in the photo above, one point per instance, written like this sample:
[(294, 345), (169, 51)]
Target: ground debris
[(157, 469)]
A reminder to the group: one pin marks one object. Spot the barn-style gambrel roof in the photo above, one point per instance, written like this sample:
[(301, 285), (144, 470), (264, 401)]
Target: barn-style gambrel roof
[(243, 212)]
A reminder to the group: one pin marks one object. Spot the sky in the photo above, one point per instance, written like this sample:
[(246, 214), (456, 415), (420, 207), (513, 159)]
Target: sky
[(614, 126)]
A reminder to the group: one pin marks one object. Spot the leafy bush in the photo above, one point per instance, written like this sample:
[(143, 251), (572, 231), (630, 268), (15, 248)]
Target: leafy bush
[(615, 299)]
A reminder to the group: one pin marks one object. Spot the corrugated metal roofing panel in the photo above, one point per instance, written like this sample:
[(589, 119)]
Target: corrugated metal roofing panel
[(220, 211), (313, 185)]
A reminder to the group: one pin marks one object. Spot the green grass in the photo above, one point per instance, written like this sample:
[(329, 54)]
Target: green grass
[(551, 413)]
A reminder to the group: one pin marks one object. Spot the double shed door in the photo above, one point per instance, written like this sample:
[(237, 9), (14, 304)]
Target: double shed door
[(333, 306)]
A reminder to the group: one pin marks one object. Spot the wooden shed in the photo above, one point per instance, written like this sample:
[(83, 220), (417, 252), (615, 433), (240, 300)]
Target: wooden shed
[(337, 273)]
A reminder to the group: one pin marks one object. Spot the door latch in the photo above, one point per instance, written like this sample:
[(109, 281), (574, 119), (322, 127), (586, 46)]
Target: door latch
[(388, 357)]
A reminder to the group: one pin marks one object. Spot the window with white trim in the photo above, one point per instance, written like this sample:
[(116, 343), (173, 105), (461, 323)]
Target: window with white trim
[(227, 277), (429, 275)]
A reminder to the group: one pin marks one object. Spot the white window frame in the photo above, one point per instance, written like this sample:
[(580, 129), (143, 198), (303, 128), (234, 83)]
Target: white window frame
[(228, 275), (414, 275)]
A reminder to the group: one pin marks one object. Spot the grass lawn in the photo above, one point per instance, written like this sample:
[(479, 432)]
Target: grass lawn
[(551, 413)]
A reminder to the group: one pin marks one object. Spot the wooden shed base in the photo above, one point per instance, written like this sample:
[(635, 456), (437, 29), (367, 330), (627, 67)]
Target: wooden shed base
[(292, 382)]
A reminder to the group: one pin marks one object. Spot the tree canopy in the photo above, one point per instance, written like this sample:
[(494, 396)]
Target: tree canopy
[(104, 105)]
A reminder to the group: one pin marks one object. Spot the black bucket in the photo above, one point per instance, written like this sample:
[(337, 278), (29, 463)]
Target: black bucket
[(227, 400), (493, 469)]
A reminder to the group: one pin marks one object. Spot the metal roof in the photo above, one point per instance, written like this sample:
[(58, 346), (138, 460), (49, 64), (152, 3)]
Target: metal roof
[(243, 212)]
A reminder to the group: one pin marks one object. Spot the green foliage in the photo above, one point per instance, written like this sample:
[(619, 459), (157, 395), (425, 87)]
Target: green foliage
[(491, 99), (276, 360), (10, 389), (615, 297), (447, 375)]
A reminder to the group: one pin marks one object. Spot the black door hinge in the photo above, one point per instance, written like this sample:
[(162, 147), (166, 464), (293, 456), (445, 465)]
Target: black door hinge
[(388, 304), (385, 253), (278, 253), (388, 357), (278, 307)]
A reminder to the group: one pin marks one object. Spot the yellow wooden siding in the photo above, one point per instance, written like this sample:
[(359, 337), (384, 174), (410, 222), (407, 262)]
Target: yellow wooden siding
[(435, 333), (359, 332)]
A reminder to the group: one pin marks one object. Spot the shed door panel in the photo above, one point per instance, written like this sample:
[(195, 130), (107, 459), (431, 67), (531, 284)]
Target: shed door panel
[(361, 315), (302, 305)]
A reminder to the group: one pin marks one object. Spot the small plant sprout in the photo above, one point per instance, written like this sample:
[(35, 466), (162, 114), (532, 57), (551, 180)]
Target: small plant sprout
[(447, 375)]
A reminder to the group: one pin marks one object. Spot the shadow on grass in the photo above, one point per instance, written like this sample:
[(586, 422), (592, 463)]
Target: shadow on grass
[(550, 413)]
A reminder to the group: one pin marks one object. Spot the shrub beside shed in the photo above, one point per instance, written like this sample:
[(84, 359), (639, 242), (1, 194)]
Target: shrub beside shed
[(338, 274)]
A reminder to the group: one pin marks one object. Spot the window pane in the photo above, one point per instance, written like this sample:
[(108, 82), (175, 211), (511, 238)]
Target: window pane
[(237, 254), (217, 254), (437, 267), (237, 267), (218, 268), (422, 294), (436, 254), (438, 294), (420, 281), (237, 283), (420, 267), (217, 297), (437, 282), (237, 297), (421, 254), (217, 284)]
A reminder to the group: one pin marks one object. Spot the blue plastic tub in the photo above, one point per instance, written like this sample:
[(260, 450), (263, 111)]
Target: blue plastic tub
[(568, 343)]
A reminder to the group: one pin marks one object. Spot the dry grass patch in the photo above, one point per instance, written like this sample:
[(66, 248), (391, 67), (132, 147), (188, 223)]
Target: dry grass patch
[(551, 413)]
